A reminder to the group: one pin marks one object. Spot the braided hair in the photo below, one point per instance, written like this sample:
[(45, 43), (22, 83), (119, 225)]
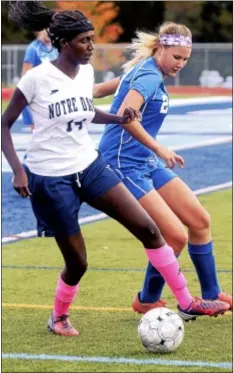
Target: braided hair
[(34, 16)]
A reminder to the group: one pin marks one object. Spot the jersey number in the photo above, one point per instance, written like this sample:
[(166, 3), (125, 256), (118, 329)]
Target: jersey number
[(71, 123), (164, 107)]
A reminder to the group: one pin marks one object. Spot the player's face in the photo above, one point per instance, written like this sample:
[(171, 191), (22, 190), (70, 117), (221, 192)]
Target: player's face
[(81, 47), (173, 59), (43, 36)]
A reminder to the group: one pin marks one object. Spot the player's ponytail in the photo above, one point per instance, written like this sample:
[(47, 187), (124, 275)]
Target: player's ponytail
[(142, 46), (146, 44), (34, 16), (30, 15)]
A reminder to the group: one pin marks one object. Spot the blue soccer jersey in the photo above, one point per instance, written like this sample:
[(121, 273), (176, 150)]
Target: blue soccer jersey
[(118, 147), (37, 52)]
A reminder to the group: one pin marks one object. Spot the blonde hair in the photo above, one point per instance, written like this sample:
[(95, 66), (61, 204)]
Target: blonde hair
[(145, 44)]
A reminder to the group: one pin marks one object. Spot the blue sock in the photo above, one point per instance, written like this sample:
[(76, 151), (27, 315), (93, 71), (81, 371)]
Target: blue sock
[(204, 262), (153, 285)]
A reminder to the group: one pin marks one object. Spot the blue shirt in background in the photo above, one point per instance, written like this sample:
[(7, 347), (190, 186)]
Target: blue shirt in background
[(36, 53)]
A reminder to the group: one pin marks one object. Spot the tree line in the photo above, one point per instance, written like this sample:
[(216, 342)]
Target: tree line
[(117, 21)]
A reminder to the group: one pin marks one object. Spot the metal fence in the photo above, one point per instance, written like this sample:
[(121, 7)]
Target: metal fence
[(109, 58)]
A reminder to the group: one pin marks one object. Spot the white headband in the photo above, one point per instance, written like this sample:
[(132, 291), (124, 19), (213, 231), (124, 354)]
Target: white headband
[(175, 39)]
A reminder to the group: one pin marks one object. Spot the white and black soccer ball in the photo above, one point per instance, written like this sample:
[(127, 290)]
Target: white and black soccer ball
[(161, 330)]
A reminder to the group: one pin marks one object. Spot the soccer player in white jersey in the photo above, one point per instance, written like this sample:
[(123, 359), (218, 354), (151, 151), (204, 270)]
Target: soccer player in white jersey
[(63, 169), (167, 199)]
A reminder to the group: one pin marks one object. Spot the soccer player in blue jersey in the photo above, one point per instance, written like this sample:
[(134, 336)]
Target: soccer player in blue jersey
[(139, 159), (37, 51)]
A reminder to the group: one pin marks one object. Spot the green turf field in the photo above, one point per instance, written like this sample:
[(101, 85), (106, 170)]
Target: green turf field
[(101, 312)]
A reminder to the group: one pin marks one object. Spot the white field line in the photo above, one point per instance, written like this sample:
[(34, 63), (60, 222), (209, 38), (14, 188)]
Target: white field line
[(101, 216), (116, 360), (33, 233), (219, 141)]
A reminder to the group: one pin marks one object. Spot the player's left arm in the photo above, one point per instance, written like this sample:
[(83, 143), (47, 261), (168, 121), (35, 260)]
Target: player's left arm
[(106, 89), (135, 100)]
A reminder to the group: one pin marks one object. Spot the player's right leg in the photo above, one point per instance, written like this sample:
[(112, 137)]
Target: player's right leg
[(56, 203), (74, 253)]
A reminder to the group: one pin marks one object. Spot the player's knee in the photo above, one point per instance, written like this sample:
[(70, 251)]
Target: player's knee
[(151, 236), (82, 266), (77, 267), (202, 222), (178, 242)]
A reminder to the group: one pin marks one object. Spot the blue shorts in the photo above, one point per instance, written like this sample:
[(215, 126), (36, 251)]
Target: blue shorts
[(56, 201), (142, 182)]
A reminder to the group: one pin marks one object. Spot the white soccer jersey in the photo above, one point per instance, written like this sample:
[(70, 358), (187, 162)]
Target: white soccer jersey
[(62, 108)]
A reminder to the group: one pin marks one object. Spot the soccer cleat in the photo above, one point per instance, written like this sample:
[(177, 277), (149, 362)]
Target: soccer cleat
[(62, 326), (201, 307), (225, 297), (140, 307)]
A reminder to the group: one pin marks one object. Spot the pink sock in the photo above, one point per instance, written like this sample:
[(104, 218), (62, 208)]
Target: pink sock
[(65, 295), (164, 260)]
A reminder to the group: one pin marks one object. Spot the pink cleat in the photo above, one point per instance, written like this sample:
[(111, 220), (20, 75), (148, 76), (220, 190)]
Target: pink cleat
[(202, 307), (145, 307), (225, 297), (62, 326)]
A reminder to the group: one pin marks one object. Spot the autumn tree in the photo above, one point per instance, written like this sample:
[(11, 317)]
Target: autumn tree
[(102, 15)]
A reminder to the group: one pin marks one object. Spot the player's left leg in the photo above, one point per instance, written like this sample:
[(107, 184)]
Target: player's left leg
[(56, 202), (189, 210)]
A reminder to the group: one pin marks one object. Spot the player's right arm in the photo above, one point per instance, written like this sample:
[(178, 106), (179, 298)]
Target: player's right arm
[(17, 103), (30, 59), (135, 98), (106, 89), (26, 66)]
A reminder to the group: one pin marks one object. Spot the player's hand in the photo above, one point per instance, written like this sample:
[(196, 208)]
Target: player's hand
[(130, 115), (170, 157), (20, 183)]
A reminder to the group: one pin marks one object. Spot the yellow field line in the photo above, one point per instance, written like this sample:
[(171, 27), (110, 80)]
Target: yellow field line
[(77, 308)]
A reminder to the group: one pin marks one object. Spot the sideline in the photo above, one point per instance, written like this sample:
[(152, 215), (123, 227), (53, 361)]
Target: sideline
[(116, 360), (101, 216)]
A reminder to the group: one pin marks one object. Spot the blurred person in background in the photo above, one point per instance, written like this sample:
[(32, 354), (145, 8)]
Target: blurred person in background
[(38, 51), (138, 159)]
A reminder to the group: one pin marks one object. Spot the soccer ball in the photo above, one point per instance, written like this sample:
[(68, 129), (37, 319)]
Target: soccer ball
[(161, 330)]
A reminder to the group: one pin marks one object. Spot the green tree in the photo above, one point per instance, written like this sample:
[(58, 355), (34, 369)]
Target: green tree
[(209, 21), (142, 15), (187, 13), (216, 21)]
